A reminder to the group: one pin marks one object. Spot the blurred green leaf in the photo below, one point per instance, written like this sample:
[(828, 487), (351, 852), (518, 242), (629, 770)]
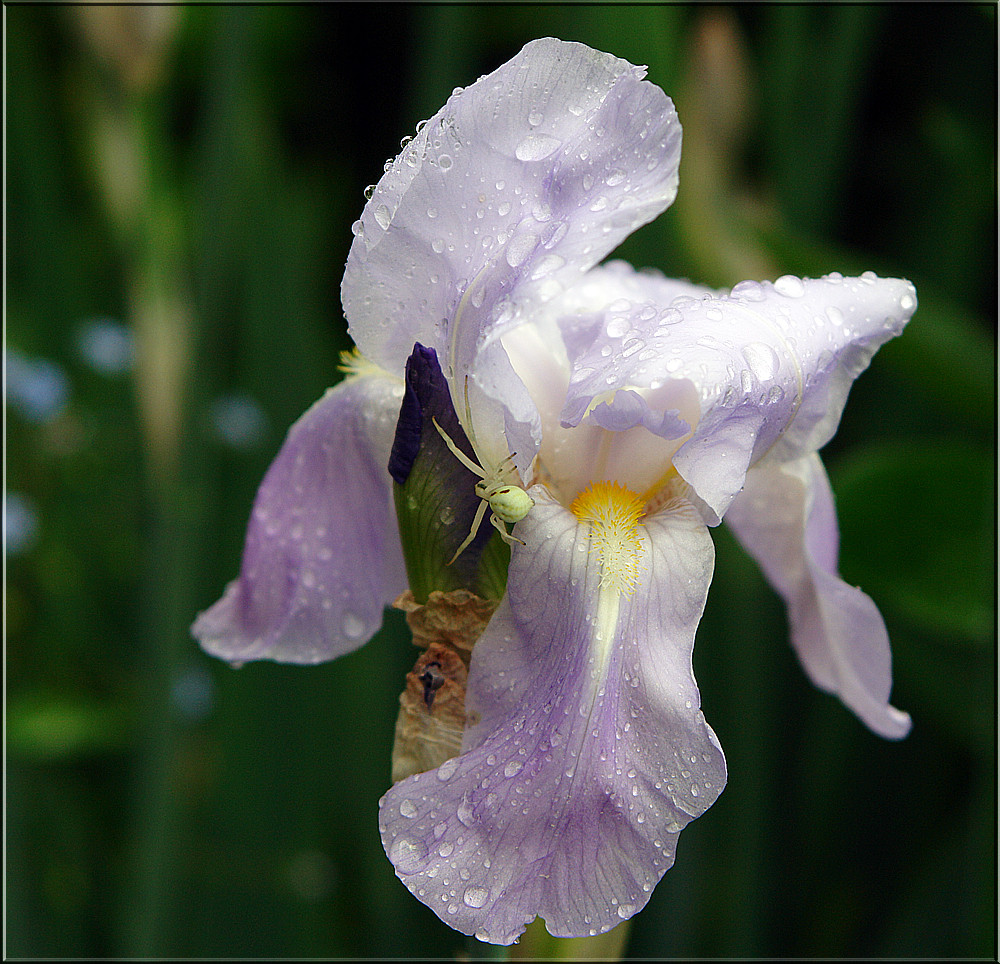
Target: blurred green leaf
[(946, 354), (48, 727), (933, 507)]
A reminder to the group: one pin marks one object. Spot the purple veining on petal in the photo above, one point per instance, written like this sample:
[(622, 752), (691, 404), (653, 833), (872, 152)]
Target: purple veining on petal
[(785, 518), (589, 756), (770, 365), (552, 160), (322, 555)]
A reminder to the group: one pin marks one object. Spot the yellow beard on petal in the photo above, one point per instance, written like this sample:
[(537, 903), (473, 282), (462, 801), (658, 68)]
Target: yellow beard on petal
[(613, 512)]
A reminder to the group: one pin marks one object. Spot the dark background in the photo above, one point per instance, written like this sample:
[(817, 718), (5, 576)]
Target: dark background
[(181, 183)]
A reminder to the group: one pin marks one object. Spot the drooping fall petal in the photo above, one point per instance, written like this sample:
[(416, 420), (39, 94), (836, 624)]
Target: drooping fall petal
[(785, 519), (590, 751), (322, 556)]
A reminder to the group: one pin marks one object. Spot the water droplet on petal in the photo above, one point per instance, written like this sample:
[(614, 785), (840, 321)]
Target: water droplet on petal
[(383, 216), (408, 856), (352, 625), (447, 769), (790, 286), (475, 896), (748, 291), (617, 326), (535, 147), (520, 248), (762, 360), (464, 813), (548, 264)]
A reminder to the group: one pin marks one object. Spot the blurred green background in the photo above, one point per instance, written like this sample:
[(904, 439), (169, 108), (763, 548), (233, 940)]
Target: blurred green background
[(181, 185)]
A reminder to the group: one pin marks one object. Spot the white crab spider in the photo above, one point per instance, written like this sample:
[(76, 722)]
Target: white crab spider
[(509, 503)]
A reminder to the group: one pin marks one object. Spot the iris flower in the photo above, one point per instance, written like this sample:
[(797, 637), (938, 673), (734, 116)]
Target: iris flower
[(637, 412)]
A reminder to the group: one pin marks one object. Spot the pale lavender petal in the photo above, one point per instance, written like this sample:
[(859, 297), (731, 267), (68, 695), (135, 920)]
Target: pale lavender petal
[(766, 366), (590, 754), (322, 555), (519, 184), (785, 518)]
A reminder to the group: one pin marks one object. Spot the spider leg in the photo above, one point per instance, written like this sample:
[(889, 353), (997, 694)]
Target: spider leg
[(502, 529), (458, 453), (476, 522)]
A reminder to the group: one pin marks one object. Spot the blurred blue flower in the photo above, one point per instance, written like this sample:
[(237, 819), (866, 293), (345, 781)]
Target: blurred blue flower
[(107, 346), (37, 387), (20, 523), (238, 420)]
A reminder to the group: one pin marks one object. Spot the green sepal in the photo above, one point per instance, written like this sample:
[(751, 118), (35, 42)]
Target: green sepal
[(431, 529), (435, 493)]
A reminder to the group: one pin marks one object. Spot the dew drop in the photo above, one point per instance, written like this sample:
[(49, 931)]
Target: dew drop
[(408, 856), (447, 769), (762, 359), (445, 162), (520, 248), (383, 216), (513, 768), (475, 896), (352, 625), (548, 264), (464, 813), (790, 286), (535, 147), (408, 809), (748, 291)]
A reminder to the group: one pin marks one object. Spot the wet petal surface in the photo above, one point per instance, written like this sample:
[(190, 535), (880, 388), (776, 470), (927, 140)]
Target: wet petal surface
[(785, 519), (767, 365), (590, 752), (322, 556), (517, 186)]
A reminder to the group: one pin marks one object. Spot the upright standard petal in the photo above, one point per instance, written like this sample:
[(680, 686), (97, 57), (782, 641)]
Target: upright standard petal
[(785, 519), (587, 751), (764, 366), (322, 556), (511, 191)]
